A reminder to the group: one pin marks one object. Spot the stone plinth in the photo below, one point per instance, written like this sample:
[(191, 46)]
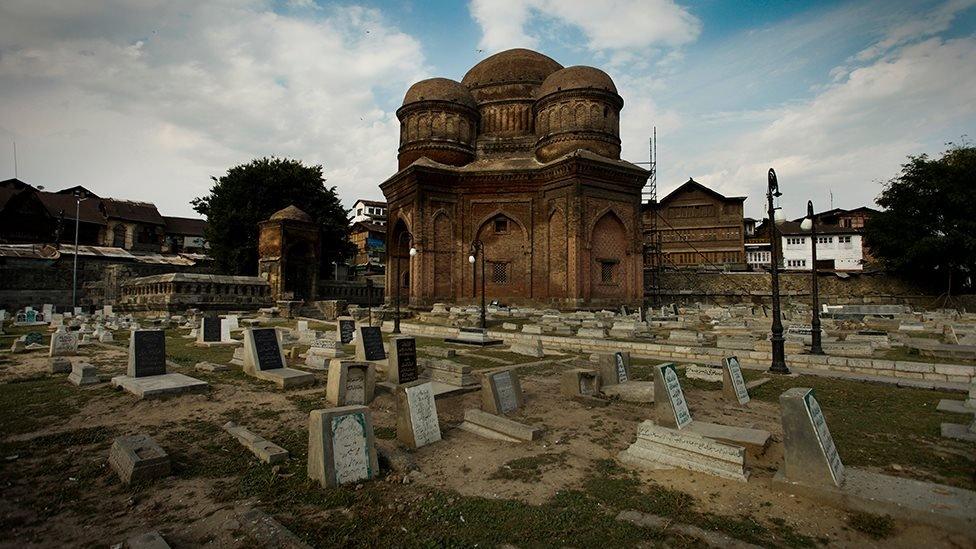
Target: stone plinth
[(659, 447), (138, 458)]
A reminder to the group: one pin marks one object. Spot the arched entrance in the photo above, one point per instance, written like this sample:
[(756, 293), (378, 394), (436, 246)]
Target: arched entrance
[(609, 276), (398, 262), (506, 263), (300, 264)]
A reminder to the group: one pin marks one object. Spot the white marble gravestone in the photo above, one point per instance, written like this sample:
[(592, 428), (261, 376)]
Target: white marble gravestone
[(417, 423), (669, 399), (341, 448), (810, 455), (733, 384)]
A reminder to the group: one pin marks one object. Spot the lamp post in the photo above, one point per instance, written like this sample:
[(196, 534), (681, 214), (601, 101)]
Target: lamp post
[(478, 247), (810, 224), (413, 252), (74, 270), (778, 365)]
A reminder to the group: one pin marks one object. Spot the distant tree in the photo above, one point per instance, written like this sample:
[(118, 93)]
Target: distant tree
[(250, 193), (927, 230)]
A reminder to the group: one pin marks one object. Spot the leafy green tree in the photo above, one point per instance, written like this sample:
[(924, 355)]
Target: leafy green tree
[(250, 193), (927, 231)]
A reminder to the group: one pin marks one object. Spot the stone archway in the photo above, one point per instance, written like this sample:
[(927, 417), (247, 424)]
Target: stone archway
[(506, 262), (609, 272)]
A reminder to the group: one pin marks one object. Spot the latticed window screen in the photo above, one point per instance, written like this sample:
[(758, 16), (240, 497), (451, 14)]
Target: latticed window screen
[(608, 272), (499, 273)]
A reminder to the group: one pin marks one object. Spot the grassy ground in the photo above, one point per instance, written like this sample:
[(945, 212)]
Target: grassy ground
[(884, 426)]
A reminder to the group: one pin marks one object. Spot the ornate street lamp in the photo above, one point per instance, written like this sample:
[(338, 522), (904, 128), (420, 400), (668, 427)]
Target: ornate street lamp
[(413, 252), (810, 224), (478, 247), (778, 365)]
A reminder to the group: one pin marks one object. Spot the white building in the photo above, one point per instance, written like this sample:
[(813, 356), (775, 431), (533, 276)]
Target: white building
[(370, 211), (838, 249)]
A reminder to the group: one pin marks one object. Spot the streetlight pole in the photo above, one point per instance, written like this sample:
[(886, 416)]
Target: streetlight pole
[(478, 247), (778, 365), (74, 270), (413, 252), (810, 224)]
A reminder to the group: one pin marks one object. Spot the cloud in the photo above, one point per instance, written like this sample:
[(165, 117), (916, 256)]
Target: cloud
[(856, 132), (612, 25), (150, 99)]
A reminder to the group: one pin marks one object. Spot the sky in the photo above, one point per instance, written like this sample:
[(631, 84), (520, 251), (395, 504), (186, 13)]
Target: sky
[(148, 99)]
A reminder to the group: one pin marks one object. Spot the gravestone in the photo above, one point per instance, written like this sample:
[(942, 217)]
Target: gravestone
[(341, 448), (60, 365), (614, 367), (350, 383), (64, 344), (669, 399), (209, 330), (264, 352), (225, 331), (138, 458), (417, 423), (321, 351), (347, 329), (733, 384), (580, 382), (403, 360), (33, 338), (147, 353), (809, 453), (233, 322), (107, 310), (501, 392), (83, 373), (369, 344)]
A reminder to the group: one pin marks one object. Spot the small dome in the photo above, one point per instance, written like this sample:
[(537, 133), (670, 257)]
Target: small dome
[(511, 66), (439, 89), (579, 77), (291, 213)]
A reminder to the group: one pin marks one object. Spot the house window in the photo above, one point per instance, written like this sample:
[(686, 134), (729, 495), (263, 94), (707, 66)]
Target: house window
[(608, 272), (499, 272), (796, 262), (844, 239), (501, 225)]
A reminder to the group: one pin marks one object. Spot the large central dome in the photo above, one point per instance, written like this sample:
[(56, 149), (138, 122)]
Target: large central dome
[(510, 67)]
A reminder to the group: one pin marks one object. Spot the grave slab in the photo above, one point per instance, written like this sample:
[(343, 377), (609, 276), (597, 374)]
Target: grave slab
[(501, 392), (614, 367), (473, 336), (753, 439), (268, 532), (500, 428), (659, 447), (580, 382), (957, 431), (954, 407), (632, 391), (286, 378), (60, 365), (137, 458), (148, 540), (265, 450), (211, 367), (161, 385)]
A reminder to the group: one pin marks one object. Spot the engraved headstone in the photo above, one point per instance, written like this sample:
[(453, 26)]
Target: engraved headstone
[(501, 392), (347, 328), (209, 330), (369, 344), (147, 353), (350, 383), (33, 338), (341, 448), (669, 399), (621, 366), (403, 360), (810, 455), (225, 331), (64, 344), (733, 384), (264, 349), (30, 315), (417, 423)]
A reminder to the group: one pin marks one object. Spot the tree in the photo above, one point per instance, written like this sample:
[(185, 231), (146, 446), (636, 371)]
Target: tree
[(250, 193), (927, 231)]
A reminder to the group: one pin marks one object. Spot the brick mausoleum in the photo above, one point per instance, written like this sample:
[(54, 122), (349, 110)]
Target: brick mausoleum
[(523, 155)]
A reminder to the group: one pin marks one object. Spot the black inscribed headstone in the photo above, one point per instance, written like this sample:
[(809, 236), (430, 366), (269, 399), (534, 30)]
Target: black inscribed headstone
[(148, 353), (406, 352), (266, 348), (346, 330), (211, 329), (372, 342)]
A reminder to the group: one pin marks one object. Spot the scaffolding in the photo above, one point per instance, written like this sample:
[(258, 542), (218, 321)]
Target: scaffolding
[(653, 263)]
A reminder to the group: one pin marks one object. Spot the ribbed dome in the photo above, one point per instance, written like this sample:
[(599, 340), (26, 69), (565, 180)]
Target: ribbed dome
[(511, 66), (578, 77), (292, 213), (439, 89)]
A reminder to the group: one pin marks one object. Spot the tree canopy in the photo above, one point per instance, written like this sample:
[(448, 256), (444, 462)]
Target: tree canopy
[(250, 193), (928, 228)]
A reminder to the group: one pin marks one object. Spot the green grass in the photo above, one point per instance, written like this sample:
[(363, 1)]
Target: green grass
[(878, 425), (530, 468), (874, 526), (29, 404), (910, 354)]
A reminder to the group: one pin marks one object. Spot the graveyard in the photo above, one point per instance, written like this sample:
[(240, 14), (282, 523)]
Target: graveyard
[(574, 429)]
